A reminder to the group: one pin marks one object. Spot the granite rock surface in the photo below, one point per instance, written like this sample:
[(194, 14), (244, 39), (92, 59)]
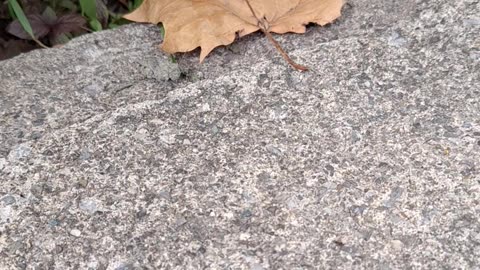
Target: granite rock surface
[(113, 157)]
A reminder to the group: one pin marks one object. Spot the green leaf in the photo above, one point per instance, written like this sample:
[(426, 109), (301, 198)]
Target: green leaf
[(112, 25), (18, 11), (173, 59), (162, 31), (95, 25), (49, 13), (61, 39), (89, 9), (68, 5), (137, 3), (11, 12), (52, 4)]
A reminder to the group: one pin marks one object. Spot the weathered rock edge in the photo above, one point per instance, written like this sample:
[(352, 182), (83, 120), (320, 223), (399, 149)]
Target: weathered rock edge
[(112, 157)]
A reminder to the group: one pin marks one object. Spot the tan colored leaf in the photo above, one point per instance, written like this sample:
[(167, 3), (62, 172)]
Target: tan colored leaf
[(210, 23)]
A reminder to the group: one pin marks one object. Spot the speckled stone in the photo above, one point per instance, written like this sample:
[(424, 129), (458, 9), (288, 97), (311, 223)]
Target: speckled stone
[(369, 161)]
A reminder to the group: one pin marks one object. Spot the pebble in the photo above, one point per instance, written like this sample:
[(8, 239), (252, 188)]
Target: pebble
[(396, 244), (396, 40), (3, 163), (76, 232), (19, 151), (88, 206), (9, 199)]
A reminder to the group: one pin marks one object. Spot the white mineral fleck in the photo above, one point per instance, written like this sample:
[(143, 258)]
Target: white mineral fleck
[(76, 232)]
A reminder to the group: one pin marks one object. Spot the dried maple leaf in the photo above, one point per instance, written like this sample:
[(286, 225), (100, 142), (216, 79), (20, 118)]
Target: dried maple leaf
[(210, 23)]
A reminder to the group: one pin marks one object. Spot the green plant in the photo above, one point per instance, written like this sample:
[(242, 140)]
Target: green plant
[(89, 11), (57, 21), (16, 12)]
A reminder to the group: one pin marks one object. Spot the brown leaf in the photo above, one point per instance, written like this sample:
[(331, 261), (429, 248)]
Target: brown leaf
[(39, 26), (210, 23), (67, 23), (43, 25)]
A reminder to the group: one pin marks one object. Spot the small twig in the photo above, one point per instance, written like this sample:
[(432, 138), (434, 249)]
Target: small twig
[(39, 43), (86, 29), (283, 53), (264, 28)]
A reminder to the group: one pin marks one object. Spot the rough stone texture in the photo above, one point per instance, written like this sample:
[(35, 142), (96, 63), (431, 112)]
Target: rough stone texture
[(112, 157)]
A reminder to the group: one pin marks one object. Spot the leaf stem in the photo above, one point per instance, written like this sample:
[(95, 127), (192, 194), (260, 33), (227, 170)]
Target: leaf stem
[(283, 53), (39, 43), (264, 28)]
